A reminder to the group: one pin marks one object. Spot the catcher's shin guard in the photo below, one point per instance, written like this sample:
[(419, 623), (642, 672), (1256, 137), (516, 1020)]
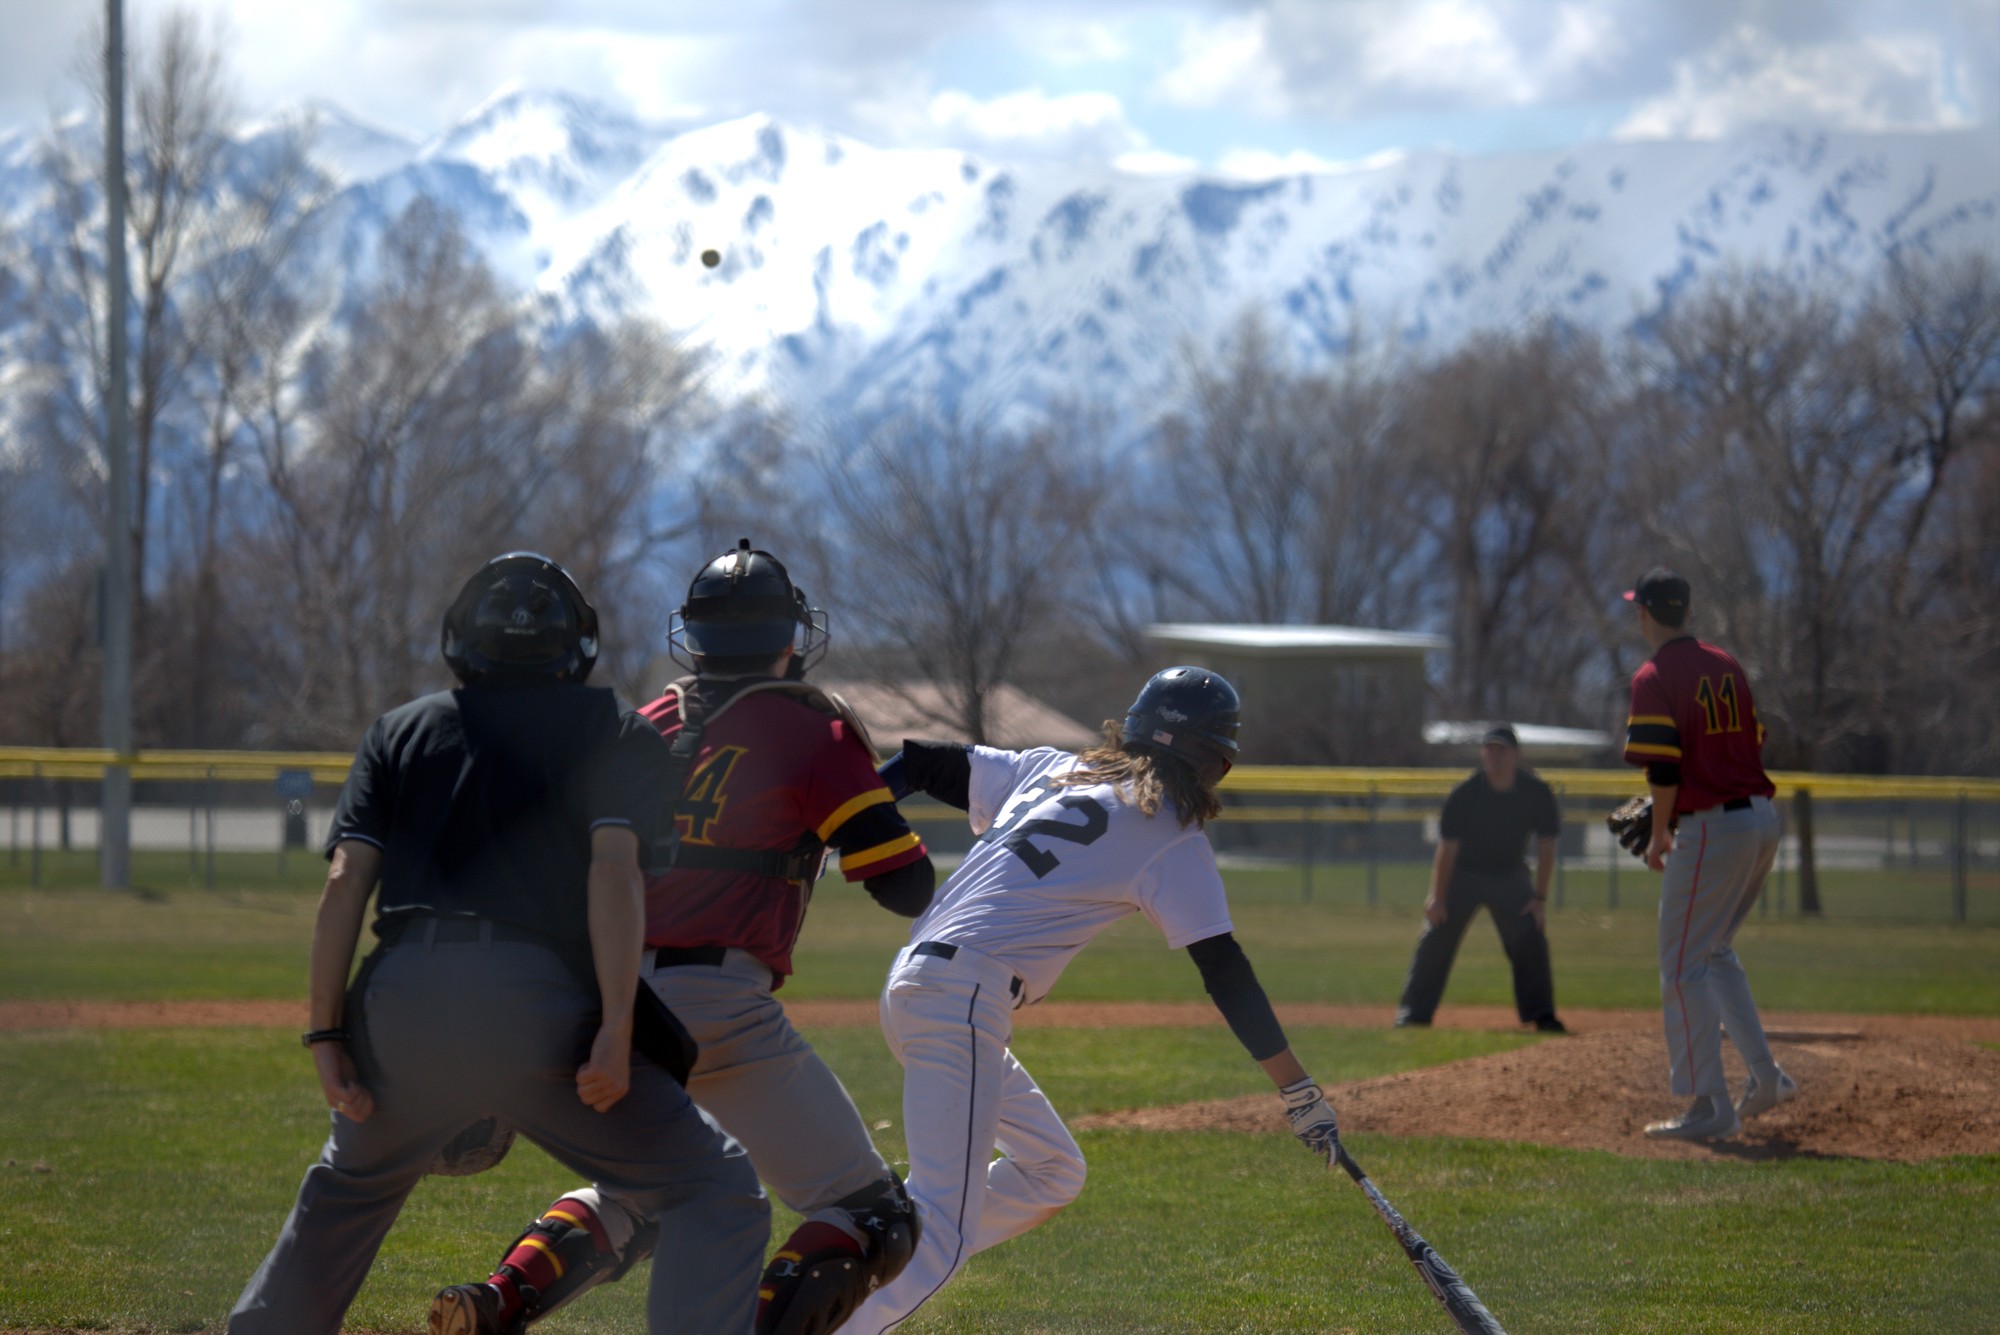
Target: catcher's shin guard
[(835, 1259), (565, 1253)]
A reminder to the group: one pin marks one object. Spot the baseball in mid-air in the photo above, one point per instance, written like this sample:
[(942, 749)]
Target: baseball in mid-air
[(711, 258)]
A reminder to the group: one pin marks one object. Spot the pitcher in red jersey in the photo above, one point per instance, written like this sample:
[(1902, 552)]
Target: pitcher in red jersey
[(1694, 728)]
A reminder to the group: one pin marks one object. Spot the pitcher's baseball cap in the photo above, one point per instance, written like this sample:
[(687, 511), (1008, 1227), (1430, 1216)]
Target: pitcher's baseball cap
[(1663, 593)]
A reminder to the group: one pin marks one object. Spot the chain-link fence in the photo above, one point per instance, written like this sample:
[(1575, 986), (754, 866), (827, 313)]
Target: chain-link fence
[(1921, 849)]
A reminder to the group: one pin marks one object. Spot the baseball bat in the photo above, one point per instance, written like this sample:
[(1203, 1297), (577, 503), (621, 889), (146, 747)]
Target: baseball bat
[(1460, 1302)]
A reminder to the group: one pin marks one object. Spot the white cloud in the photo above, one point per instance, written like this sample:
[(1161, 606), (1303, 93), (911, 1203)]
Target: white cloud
[(1447, 47), (1261, 164), (1031, 123), (1386, 56), (1155, 162), (1257, 164), (1073, 42), (1226, 62), (1891, 82)]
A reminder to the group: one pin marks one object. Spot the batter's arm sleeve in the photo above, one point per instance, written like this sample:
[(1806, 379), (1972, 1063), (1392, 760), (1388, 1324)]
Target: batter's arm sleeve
[(905, 890), (941, 769), (1232, 985)]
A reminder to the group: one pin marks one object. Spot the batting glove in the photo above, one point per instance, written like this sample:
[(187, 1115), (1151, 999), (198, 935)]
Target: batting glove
[(1312, 1118)]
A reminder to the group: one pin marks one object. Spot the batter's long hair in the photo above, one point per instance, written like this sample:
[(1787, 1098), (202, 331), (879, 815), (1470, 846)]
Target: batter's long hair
[(1150, 776)]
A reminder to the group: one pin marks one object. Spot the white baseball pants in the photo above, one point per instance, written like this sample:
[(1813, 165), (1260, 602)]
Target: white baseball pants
[(964, 1096), (1714, 873)]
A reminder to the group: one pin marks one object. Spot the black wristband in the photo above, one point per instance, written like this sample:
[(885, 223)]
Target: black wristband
[(312, 1036)]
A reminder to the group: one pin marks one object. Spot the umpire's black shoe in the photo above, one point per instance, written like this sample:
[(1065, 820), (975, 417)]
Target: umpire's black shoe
[(470, 1309), (1549, 1024)]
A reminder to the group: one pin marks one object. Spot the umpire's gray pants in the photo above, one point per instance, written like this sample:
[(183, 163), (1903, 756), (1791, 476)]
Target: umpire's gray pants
[(1714, 873), (457, 1032)]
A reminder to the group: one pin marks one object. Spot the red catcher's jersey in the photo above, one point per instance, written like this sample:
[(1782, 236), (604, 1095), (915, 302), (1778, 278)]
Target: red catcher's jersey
[(1691, 706), (771, 769)]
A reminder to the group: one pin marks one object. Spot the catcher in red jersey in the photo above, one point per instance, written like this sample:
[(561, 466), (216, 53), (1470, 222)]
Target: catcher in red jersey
[(771, 773), (1694, 728)]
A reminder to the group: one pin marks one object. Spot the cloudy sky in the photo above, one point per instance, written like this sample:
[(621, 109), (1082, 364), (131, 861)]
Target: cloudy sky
[(1243, 86)]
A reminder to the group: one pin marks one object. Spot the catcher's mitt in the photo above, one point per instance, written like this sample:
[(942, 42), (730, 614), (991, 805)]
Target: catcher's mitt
[(1631, 824)]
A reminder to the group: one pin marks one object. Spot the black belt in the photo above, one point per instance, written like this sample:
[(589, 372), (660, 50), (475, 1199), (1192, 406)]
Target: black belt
[(666, 957), (442, 929), (945, 950), (1737, 804)]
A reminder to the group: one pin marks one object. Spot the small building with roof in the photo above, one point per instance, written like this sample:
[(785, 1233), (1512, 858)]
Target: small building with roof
[(1542, 745), (1316, 695), (1016, 720)]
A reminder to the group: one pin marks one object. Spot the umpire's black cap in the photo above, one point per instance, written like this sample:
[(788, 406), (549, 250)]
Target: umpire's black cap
[(1501, 734), (1661, 592)]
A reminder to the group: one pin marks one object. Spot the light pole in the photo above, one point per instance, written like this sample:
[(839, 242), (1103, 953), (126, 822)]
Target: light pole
[(114, 817)]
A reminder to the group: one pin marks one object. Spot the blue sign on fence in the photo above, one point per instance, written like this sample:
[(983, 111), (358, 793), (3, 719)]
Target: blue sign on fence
[(295, 785)]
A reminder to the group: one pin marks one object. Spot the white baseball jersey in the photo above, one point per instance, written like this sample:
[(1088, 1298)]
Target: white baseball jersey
[(1055, 866)]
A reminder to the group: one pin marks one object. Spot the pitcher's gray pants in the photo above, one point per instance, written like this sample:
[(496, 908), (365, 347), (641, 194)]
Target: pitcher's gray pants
[(457, 1032), (1714, 873)]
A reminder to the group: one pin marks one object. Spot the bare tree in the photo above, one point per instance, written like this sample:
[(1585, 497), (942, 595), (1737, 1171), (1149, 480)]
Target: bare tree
[(1948, 316), (250, 294), (1794, 459), (181, 108), (1497, 446), (1276, 489), (961, 542), (435, 431)]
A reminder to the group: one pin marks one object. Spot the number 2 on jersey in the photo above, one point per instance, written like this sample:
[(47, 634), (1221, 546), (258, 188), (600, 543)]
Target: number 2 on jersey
[(1718, 700), (1096, 820)]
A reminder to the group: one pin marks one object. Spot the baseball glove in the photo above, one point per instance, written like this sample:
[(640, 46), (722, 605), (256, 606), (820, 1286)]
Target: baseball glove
[(1631, 824)]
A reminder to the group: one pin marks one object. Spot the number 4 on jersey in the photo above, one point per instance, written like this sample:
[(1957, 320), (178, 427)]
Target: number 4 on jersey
[(701, 807), (1096, 820)]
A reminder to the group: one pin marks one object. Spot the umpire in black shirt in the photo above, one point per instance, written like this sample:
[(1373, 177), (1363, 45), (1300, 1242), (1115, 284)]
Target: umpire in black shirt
[(1481, 837), (503, 821)]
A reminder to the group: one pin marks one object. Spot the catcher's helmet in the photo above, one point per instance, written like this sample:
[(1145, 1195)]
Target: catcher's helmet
[(520, 615), (743, 604), (1188, 712)]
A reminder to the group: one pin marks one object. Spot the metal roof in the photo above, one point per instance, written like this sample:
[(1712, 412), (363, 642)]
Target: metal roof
[(1466, 733), (1015, 720), (1300, 641)]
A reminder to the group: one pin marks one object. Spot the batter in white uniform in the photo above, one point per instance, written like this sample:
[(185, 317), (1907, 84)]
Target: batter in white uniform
[(1068, 845)]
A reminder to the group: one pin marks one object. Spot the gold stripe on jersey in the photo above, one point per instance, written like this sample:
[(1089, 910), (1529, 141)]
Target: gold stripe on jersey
[(1650, 718), (1647, 749), (849, 809), (902, 843)]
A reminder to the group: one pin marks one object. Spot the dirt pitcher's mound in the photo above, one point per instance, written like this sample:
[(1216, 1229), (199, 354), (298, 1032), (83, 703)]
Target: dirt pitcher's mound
[(1864, 1097)]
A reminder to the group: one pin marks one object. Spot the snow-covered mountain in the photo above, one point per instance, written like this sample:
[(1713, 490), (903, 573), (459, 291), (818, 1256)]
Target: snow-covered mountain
[(854, 274)]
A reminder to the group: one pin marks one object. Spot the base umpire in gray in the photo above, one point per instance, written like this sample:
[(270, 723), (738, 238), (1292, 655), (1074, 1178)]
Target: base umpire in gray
[(503, 822), (1481, 836)]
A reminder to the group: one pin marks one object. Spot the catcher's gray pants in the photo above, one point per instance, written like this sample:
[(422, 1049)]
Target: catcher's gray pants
[(766, 1087), (1714, 872), (457, 1032)]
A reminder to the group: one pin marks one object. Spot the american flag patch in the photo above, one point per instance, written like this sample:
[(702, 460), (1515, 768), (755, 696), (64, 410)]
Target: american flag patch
[(1163, 738)]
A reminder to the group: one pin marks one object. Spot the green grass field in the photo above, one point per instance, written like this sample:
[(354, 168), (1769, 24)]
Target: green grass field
[(251, 943), (146, 1172)]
